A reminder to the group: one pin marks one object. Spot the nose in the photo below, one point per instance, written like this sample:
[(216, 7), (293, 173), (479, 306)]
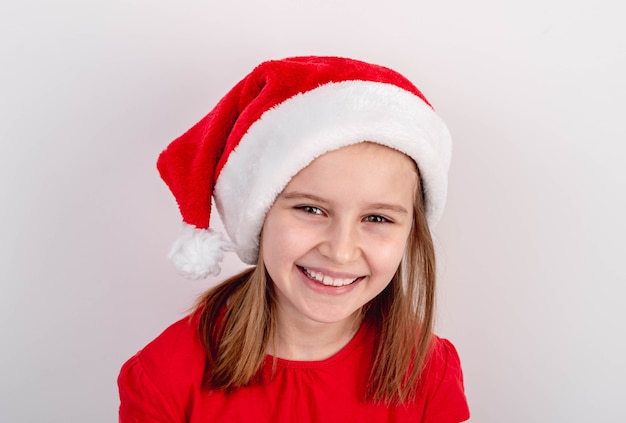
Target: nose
[(341, 244)]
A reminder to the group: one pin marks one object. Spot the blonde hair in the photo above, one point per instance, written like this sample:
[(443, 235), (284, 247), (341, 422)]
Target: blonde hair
[(237, 322)]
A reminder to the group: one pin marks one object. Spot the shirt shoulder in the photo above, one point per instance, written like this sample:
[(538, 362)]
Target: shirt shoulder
[(157, 382), (443, 384)]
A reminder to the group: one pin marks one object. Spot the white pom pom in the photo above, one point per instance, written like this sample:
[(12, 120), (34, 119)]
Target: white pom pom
[(197, 253)]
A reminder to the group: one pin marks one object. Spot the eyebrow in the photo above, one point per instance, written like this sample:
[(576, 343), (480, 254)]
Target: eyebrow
[(297, 195)]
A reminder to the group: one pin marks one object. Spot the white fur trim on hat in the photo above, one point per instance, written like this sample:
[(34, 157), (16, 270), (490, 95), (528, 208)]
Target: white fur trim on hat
[(291, 135)]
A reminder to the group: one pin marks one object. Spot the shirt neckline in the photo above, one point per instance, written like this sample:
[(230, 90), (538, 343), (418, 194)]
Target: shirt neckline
[(339, 355)]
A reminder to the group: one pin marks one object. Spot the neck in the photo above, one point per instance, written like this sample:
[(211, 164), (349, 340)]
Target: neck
[(306, 340)]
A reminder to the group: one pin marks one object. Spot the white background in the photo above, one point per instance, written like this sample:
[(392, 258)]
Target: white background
[(531, 245)]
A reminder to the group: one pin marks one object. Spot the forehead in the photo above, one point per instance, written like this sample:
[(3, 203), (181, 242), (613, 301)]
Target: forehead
[(360, 167), (378, 156)]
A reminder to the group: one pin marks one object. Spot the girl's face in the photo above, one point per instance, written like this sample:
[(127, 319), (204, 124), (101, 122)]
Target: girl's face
[(335, 236)]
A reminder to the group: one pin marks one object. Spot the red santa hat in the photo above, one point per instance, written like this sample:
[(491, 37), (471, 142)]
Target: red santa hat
[(271, 125)]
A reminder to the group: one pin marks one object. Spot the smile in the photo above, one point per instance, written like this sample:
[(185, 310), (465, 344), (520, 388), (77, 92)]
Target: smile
[(328, 280)]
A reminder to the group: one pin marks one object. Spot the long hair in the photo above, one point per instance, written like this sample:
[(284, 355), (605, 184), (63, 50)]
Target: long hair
[(404, 312), (237, 322)]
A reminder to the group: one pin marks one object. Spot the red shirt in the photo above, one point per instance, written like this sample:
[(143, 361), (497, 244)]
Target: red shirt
[(161, 383)]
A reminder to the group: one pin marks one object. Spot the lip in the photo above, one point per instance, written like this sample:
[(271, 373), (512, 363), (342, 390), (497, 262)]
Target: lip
[(332, 274), (326, 289)]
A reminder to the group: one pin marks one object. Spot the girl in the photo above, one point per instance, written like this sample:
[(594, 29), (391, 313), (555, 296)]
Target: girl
[(328, 174)]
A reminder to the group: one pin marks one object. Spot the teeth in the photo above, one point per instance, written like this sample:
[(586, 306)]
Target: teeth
[(327, 280)]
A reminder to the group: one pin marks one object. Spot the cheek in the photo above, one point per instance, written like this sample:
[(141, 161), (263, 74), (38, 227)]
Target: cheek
[(279, 239), (388, 254), (275, 236)]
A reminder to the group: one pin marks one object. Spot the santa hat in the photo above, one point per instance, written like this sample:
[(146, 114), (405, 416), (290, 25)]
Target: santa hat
[(270, 126)]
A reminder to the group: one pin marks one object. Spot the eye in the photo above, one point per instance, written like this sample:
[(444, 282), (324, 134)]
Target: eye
[(374, 218), (311, 210)]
